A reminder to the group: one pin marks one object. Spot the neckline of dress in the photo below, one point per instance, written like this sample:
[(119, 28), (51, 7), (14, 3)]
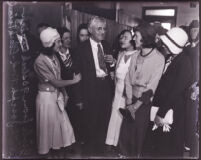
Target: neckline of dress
[(147, 53), (129, 52)]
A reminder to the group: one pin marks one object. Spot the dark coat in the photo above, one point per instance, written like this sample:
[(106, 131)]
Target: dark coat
[(173, 85), (171, 93)]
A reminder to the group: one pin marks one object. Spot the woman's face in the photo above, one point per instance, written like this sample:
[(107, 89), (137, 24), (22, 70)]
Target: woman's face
[(138, 39), (66, 39), (83, 35), (125, 40), (57, 45), (162, 48), (194, 33)]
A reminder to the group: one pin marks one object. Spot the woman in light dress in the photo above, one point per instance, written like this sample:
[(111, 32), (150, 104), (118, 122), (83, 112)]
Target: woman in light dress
[(127, 44), (54, 129)]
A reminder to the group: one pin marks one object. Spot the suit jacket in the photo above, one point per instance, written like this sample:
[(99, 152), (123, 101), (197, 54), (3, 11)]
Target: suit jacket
[(26, 58), (83, 57), (173, 86)]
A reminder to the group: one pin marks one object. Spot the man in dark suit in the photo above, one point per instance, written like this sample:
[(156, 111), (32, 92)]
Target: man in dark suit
[(171, 94), (95, 65), (27, 53)]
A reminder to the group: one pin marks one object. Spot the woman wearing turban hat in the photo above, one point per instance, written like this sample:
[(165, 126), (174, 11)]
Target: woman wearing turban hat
[(54, 129)]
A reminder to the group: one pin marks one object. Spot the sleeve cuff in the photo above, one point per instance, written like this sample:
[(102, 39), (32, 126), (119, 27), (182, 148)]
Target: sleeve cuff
[(161, 112), (112, 65)]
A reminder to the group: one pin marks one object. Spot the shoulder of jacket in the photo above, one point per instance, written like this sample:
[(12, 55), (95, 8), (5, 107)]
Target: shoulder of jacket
[(40, 59), (185, 58)]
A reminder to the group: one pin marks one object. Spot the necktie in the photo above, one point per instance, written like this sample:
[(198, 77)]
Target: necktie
[(101, 59), (24, 44)]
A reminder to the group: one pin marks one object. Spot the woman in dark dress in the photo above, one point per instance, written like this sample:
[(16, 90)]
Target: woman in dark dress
[(171, 94)]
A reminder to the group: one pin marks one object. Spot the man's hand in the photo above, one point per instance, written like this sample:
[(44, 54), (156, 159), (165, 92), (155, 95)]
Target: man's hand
[(132, 109), (77, 77), (112, 75)]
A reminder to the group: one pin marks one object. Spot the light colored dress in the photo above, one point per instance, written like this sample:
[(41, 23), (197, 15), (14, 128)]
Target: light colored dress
[(54, 129), (119, 100)]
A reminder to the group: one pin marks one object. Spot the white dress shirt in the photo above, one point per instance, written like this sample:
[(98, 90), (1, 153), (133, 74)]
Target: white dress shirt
[(19, 37), (99, 71)]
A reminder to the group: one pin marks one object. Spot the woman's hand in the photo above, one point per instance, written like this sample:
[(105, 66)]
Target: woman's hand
[(76, 78), (132, 109), (128, 101), (158, 121)]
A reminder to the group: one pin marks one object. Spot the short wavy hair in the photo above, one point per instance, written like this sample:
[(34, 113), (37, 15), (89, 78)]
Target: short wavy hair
[(62, 30), (148, 33), (132, 36), (94, 20), (80, 27)]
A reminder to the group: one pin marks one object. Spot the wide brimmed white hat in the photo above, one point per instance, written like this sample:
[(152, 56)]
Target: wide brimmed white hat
[(175, 39), (48, 36)]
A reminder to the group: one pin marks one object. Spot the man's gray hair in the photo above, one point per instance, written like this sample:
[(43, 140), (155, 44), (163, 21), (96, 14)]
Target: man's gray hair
[(94, 19)]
